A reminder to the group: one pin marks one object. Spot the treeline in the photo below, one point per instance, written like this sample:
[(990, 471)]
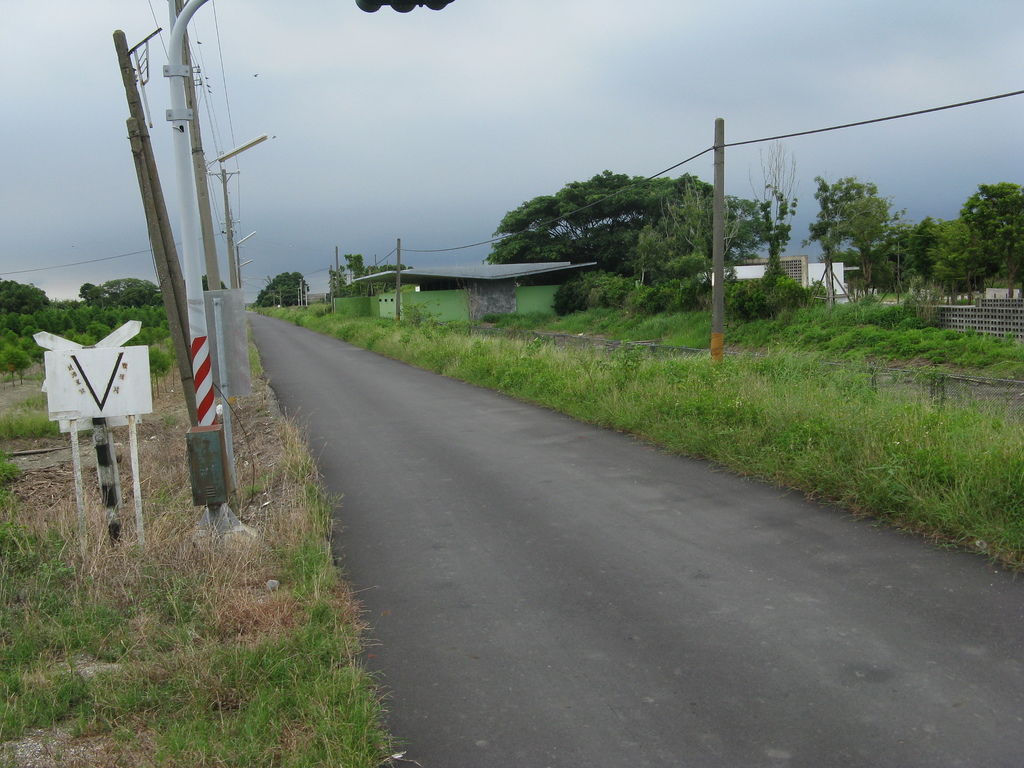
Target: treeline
[(651, 240), (25, 310)]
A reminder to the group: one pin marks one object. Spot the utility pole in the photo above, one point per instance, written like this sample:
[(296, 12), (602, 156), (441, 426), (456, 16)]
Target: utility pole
[(718, 247), (398, 283), (337, 277), (161, 237), (199, 170), (229, 230)]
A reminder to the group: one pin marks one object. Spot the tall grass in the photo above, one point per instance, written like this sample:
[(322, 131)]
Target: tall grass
[(212, 667), (28, 418), (955, 474)]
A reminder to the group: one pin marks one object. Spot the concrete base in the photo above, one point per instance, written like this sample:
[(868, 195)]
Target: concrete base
[(223, 522)]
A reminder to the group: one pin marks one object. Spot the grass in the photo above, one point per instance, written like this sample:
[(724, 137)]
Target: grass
[(954, 474), (861, 331), (28, 418), (688, 329), (212, 667)]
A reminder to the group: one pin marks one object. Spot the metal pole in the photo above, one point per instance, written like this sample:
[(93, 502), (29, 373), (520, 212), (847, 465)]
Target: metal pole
[(180, 117), (199, 171), (133, 449), (225, 385), (106, 471), (718, 247), (76, 464)]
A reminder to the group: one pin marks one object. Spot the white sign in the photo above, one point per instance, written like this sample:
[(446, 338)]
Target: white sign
[(98, 382)]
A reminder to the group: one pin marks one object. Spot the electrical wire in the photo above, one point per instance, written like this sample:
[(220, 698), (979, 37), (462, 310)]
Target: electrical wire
[(77, 263), (875, 120), (159, 26), (223, 73), (795, 134)]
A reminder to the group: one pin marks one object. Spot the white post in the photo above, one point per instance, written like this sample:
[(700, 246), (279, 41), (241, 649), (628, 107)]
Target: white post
[(76, 464), (180, 118), (133, 448)]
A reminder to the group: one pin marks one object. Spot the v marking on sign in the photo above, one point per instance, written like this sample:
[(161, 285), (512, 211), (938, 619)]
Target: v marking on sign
[(106, 392)]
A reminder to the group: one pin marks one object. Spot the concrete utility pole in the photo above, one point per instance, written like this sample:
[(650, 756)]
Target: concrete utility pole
[(229, 229), (398, 283), (718, 247), (199, 169), (161, 237)]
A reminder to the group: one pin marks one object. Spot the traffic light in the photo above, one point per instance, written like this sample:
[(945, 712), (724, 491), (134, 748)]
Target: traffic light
[(402, 6)]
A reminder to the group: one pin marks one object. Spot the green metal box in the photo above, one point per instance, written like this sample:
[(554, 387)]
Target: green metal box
[(207, 461)]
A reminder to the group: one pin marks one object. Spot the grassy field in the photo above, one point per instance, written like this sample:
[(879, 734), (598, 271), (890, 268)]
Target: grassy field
[(866, 330), (179, 653), (953, 474)]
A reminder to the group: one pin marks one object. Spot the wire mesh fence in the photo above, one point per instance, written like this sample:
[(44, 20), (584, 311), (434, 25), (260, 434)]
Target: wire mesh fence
[(938, 387)]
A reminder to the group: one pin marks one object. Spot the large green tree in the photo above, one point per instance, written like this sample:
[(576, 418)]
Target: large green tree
[(123, 292), (994, 215), (851, 216), (19, 298), (602, 220), (283, 290), (595, 220)]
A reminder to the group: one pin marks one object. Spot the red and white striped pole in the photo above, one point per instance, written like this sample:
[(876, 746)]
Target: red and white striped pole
[(180, 118)]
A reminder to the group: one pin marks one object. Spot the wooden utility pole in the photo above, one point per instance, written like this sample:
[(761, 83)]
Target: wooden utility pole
[(213, 279), (718, 247), (161, 237), (398, 283)]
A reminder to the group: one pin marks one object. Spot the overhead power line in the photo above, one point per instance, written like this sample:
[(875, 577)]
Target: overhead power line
[(710, 149), (77, 263), (876, 120)]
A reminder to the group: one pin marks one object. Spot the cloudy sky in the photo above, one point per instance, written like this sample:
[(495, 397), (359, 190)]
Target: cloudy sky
[(429, 126)]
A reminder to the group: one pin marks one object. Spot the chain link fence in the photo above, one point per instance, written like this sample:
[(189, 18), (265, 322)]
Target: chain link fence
[(938, 387)]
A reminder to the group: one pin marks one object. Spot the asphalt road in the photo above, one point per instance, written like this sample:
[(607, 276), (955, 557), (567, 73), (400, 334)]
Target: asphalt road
[(546, 593)]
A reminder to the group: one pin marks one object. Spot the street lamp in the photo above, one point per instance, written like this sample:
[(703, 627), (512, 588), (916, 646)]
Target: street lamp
[(188, 211)]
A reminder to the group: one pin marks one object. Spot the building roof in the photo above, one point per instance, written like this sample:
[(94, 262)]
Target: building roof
[(478, 271)]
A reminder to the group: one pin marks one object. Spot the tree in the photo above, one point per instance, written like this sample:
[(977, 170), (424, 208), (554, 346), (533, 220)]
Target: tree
[(123, 292), (16, 361), (850, 214), (340, 279), (994, 216), (21, 299), (283, 290), (91, 294), (959, 264), (597, 220), (776, 204)]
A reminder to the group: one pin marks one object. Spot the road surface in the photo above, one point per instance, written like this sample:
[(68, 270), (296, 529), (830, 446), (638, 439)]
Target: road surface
[(545, 593)]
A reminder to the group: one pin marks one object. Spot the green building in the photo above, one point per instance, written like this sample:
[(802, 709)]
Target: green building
[(466, 293)]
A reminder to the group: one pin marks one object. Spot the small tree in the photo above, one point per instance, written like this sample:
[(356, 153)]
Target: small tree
[(16, 361), (776, 204)]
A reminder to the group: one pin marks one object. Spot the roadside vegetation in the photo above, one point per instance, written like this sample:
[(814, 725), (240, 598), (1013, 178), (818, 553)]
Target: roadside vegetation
[(867, 330), (954, 474), (182, 653)]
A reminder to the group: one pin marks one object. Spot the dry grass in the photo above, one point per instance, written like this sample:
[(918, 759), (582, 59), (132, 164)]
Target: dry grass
[(188, 618)]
